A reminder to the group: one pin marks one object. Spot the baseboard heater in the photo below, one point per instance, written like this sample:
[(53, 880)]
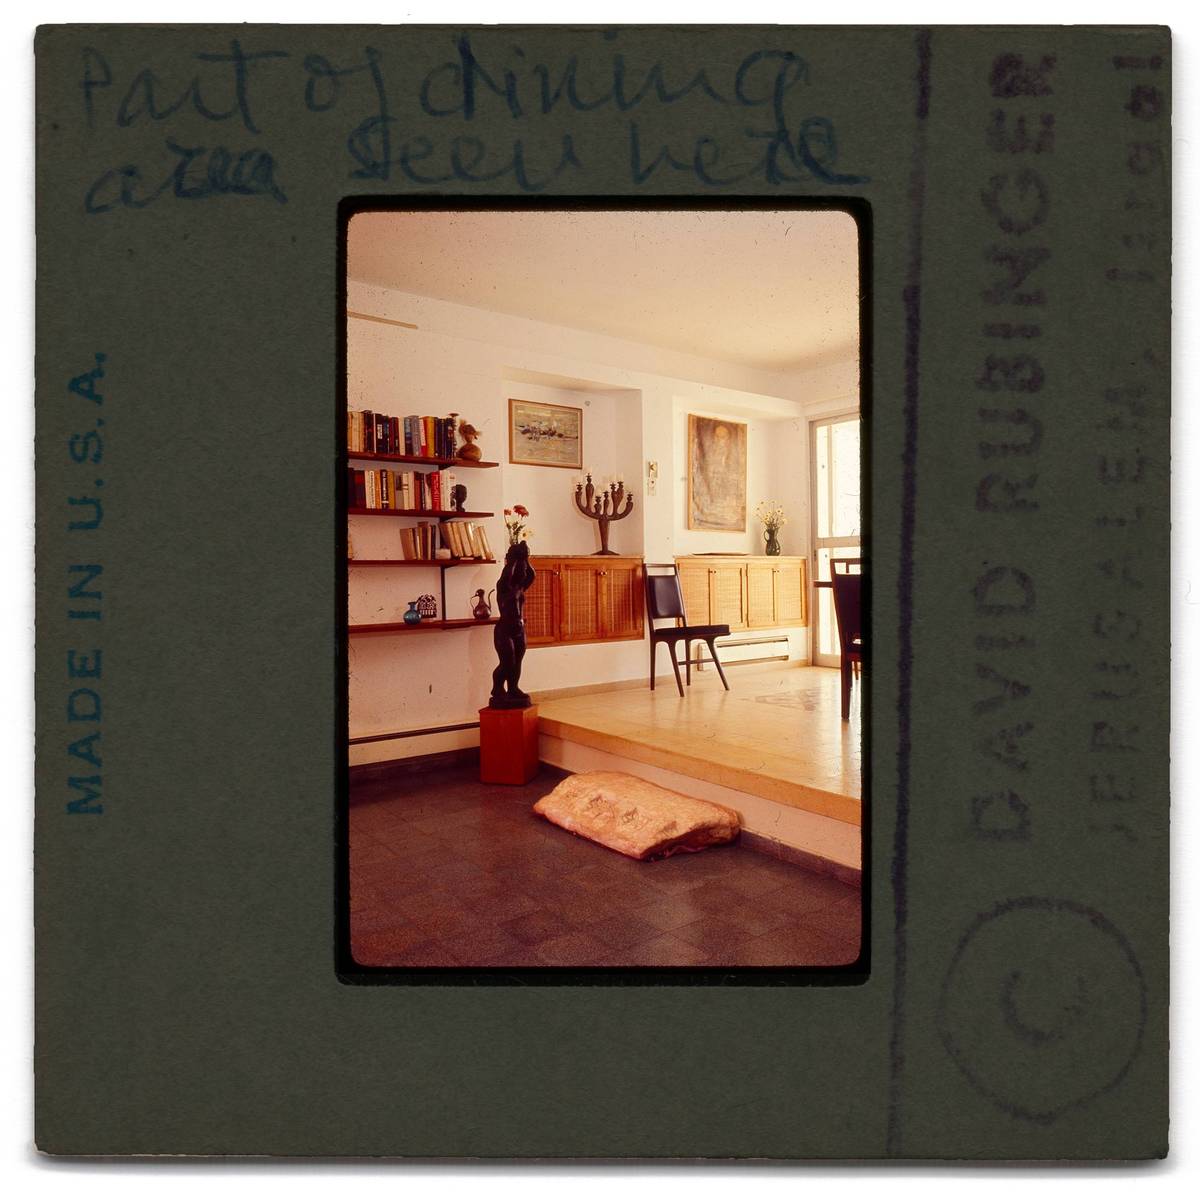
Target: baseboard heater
[(773, 647)]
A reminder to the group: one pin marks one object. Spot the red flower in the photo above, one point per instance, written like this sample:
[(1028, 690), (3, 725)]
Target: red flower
[(520, 510), (508, 512)]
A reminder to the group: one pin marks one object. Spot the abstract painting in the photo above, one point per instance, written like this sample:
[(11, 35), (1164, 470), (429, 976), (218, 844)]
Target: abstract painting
[(545, 435)]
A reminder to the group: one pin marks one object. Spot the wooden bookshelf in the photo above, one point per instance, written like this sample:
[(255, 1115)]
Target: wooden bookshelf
[(440, 514), (370, 456), (443, 563), (427, 626), (352, 458)]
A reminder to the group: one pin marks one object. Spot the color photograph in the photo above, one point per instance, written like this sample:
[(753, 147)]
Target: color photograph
[(608, 718)]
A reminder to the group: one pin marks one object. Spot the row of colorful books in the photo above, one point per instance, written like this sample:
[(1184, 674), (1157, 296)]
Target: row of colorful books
[(377, 433), (426, 491)]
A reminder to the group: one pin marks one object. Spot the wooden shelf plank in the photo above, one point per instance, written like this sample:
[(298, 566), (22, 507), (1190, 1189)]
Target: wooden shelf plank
[(354, 511), (419, 562), (429, 626), (365, 456)]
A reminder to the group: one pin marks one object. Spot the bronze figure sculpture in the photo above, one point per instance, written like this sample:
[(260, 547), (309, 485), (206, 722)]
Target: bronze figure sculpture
[(509, 637)]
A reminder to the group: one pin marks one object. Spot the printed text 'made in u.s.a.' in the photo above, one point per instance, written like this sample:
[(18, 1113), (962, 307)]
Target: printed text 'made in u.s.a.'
[(85, 594)]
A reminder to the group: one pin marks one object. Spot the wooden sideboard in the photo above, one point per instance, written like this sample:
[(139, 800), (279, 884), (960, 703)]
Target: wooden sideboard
[(585, 598), (601, 598), (745, 592)]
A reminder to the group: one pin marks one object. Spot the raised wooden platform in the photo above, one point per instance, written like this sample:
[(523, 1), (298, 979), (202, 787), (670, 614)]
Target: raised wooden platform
[(776, 736)]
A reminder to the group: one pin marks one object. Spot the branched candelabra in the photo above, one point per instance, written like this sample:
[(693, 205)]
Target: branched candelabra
[(603, 506)]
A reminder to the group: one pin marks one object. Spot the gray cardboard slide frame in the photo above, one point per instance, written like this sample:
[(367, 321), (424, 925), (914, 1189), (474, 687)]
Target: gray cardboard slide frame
[(188, 189)]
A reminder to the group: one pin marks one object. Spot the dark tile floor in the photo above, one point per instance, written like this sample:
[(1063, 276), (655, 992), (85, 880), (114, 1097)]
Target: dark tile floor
[(445, 871)]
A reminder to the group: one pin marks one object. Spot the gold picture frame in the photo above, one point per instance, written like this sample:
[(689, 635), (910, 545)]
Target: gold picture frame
[(545, 435), (716, 474)]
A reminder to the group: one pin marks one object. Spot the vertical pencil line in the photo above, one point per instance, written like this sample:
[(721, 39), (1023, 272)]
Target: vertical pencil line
[(905, 583)]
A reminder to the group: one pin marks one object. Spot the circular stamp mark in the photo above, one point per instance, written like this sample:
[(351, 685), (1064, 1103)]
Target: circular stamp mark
[(1043, 1006)]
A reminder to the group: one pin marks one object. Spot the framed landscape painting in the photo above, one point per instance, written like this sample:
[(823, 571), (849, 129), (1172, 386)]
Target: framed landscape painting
[(545, 435), (716, 474)]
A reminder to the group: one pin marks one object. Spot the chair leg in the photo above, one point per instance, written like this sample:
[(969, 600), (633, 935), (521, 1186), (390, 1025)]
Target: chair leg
[(653, 663), (847, 679), (712, 650), (687, 659), (675, 665)]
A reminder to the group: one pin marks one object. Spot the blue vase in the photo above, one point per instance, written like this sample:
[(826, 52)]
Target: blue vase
[(412, 616)]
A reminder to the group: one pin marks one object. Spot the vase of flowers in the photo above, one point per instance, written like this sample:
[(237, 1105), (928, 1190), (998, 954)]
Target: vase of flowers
[(773, 519), (514, 522)]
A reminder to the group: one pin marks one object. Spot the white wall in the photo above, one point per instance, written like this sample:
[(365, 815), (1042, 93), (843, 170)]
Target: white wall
[(635, 400)]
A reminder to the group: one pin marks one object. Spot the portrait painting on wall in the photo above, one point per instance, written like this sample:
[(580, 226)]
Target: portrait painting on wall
[(545, 435), (716, 474)]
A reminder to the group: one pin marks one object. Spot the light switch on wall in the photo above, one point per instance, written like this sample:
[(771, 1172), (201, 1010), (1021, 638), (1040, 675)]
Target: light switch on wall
[(651, 478)]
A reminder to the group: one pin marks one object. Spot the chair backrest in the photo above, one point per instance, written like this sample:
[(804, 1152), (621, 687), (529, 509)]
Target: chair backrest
[(846, 576), (664, 597)]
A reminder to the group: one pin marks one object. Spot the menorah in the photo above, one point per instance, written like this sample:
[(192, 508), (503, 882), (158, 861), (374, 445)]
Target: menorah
[(603, 507)]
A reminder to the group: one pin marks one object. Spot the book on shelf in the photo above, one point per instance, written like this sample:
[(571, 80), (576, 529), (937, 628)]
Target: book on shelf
[(419, 541), (356, 489), (465, 540)]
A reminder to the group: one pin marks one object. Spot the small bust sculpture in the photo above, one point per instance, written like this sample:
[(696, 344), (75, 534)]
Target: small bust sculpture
[(469, 450), (509, 637)]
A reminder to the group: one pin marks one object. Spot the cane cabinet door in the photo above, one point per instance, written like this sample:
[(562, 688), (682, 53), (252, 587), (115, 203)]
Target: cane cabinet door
[(791, 593), (693, 582), (622, 608), (578, 602), (541, 603), (760, 593), (727, 595)]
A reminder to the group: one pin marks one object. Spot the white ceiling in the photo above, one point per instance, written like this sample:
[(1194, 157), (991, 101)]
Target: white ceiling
[(772, 290)]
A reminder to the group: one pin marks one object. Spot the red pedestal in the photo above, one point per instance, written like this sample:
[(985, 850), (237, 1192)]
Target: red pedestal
[(508, 745)]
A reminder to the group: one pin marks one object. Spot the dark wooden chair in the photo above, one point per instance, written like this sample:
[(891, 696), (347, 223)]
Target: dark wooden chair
[(664, 602), (846, 578)]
